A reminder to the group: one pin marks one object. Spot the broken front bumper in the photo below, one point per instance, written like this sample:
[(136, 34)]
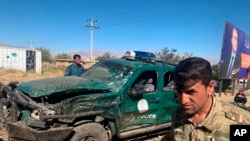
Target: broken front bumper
[(12, 101), (23, 132)]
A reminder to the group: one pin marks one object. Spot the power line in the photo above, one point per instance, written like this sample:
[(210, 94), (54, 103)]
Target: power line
[(91, 27)]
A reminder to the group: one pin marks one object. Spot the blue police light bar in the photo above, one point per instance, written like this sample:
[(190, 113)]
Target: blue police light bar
[(139, 55)]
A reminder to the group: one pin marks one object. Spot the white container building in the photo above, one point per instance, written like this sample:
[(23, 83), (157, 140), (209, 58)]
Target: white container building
[(20, 58)]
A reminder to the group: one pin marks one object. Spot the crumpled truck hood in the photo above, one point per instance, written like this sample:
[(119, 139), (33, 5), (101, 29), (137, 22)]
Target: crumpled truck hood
[(44, 87)]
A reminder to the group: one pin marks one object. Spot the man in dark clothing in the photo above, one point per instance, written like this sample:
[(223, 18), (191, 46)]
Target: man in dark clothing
[(240, 97), (75, 69)]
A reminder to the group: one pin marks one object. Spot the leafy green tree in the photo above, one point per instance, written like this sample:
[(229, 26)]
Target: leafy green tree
[(106, 55), (46, 55), (171, 56), (63, 56), (186, 55)]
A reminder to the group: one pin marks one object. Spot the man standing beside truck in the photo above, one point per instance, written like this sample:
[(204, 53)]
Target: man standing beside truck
[(75, 69)]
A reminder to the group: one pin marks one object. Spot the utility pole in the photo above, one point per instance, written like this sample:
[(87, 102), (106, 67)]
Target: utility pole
[(31, 43), (91, 27)]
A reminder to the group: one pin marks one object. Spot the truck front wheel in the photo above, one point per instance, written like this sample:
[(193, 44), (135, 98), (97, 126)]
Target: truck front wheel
[(90, 132)]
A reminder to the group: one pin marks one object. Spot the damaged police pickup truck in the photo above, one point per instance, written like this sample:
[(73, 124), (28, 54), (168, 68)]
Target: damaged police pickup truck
[(120, 97)]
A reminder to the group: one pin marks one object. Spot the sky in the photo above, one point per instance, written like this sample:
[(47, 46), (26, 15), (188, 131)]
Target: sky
[(192, 26)]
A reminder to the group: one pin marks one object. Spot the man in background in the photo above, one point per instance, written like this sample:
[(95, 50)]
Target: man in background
[(240, 98), (75, 69)]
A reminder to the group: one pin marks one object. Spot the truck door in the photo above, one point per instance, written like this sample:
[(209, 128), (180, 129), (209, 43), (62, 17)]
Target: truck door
[(170, 103), (140, 106)]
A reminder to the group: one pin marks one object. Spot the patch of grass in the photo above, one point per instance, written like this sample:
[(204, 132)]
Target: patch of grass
[(228, 90), (12, 71), (52, 69), (31, 71)]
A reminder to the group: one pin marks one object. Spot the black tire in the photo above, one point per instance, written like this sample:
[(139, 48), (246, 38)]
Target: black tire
[(90, 132)]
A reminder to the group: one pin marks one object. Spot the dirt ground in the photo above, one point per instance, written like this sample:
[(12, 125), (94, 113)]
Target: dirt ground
[(230, 98)]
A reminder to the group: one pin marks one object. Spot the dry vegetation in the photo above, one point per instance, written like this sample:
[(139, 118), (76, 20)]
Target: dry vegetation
[(48, 71)]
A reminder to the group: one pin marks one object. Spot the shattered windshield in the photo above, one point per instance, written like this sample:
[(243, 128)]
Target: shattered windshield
[(112, 74)]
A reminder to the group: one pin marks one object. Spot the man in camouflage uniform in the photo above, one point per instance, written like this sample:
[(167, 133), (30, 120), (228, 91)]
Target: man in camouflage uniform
[(202, 116)]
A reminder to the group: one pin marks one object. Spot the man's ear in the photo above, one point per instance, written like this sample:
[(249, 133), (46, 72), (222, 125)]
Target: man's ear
[(210, 87)]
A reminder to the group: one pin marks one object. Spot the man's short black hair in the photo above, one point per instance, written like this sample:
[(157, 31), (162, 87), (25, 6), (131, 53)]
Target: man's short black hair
[(190, 71), (76, 56)]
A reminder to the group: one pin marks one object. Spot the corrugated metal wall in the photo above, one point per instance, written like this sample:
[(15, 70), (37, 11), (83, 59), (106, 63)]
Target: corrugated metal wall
[(16, 58)]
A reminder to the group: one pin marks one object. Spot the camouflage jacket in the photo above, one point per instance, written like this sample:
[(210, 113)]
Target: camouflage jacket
[(215, 127)]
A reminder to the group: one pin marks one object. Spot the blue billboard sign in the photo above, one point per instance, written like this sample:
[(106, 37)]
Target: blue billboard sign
[(235, 54)]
